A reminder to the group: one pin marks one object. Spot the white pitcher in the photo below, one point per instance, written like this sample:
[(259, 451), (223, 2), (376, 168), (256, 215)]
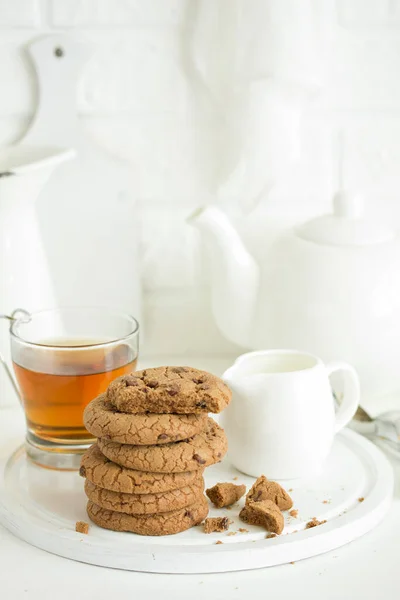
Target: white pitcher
[(281, 421), (25, 277)]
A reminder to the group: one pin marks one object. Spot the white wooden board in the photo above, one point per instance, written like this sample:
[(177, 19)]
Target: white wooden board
[(41, 507), (90, 200)]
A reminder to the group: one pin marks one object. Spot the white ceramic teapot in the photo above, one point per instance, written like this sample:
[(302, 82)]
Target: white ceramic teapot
[(330, 287)]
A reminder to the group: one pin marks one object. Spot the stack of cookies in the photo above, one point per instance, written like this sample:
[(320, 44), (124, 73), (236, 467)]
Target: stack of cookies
[(155, 438)]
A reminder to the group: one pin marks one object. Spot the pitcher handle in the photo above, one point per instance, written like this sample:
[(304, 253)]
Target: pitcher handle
[(351, 396)]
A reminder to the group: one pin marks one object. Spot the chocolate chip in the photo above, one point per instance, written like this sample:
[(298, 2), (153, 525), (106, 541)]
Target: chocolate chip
[(179, 370), (204, 386), (198, 380), (82, 472), (199, 459), (201, 404), (106, 437), (219, 455), (162, 436), (188, 514), (173, 390), (152, 383), (257, 496), (225, 523), (131, 381)]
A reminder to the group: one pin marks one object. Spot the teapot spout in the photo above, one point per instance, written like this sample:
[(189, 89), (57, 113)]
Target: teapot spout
[(234, 272)]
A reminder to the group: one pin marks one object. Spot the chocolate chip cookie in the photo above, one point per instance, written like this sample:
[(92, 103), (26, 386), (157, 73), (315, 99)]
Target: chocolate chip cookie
[(161, 524), (200, 451), (264, 489), (264, 513), (216, 524), (225, 494), (181, 390), (103, 473), (144, 504), (102, 420)]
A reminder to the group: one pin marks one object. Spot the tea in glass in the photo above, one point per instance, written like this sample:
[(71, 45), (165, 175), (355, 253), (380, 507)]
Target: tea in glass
[(63, 359)]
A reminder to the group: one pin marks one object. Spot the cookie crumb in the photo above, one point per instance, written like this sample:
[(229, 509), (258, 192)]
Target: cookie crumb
[(232, 533), (225, 494), (270, 535), (219, 542), (326, 501), (82, 527), (292, 562), (216, 524), (243, 530), (361, 499), (294, 513), (290, 490), (235, 478), (314, 523)]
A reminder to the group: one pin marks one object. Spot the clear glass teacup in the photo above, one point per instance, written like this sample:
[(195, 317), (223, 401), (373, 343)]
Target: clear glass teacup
[(62, 359)]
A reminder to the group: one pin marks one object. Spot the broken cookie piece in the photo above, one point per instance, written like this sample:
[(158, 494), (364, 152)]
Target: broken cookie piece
[(82, 527), (265, 513), (225, 494), (264, 489), (216, 524)]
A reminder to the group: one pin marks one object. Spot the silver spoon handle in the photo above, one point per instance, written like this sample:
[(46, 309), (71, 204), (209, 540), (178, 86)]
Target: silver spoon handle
[(388, 427), (385, 429)]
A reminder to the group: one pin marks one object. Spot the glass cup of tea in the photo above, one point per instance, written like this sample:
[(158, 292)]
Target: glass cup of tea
[(63, 359)]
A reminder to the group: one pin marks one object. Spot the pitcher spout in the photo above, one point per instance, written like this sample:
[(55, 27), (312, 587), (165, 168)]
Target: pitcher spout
[(234, 272), (25, 170)]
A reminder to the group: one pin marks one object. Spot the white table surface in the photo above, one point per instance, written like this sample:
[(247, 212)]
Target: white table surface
[(367, 569)]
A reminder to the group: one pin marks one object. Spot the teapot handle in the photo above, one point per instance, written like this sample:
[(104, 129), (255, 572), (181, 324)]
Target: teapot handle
[(351, 396)]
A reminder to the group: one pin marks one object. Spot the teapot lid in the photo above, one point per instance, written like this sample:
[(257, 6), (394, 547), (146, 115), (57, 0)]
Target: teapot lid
[(346, 226)]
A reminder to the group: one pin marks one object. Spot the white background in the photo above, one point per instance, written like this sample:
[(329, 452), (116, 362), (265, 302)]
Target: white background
[(136, 100)]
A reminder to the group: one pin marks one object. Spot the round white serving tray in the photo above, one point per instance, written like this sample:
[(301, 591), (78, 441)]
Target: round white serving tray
[(41, 507)]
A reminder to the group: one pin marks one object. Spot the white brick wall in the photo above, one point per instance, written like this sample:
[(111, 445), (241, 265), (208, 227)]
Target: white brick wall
[(116, 13), (135, 99)]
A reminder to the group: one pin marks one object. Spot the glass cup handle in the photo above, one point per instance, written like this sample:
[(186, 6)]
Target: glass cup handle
[(18, 313), (10, 376)]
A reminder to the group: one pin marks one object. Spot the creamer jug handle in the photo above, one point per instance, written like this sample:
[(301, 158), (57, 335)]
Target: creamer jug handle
[(351, 397)]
